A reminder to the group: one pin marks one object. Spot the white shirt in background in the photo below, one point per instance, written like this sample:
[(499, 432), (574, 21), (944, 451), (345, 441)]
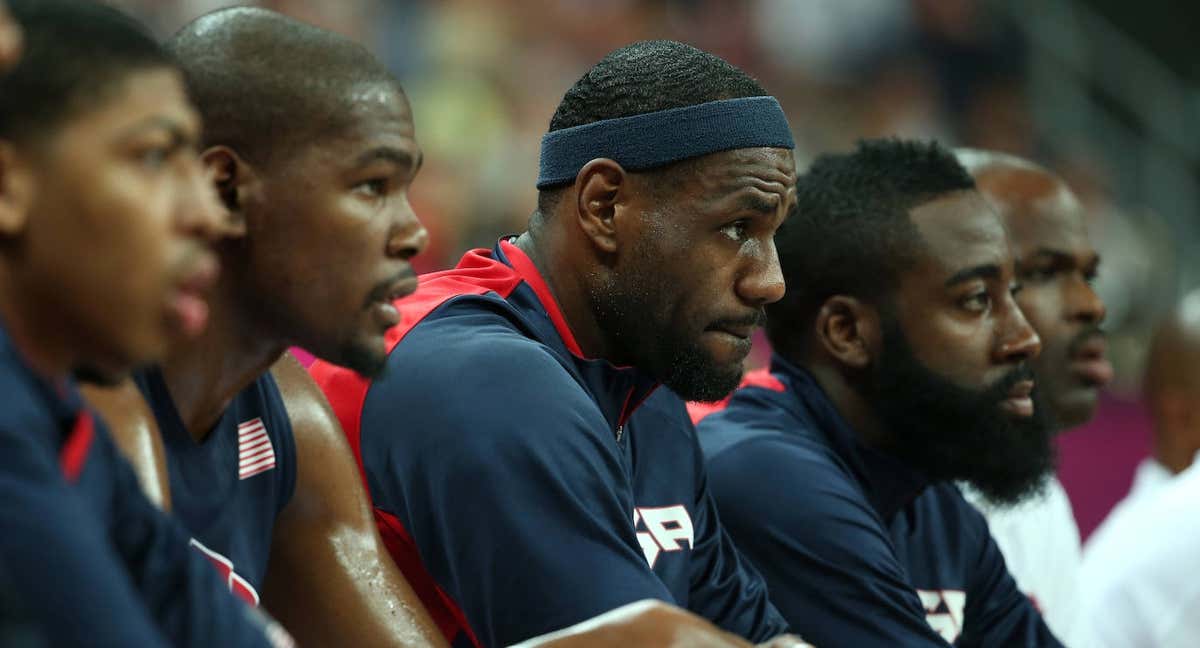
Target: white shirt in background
[(1120, 531), (1143, 589), (1040, 543)]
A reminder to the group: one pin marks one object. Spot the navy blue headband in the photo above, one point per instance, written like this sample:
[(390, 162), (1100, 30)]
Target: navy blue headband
[(659, 138)]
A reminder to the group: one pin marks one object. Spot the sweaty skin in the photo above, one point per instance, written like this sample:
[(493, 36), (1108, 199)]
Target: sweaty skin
[(133, 428), (650, 623)]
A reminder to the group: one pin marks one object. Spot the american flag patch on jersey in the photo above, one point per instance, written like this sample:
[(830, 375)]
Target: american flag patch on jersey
[(255, 452)]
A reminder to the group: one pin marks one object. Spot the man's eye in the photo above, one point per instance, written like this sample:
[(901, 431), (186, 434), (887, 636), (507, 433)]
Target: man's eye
[(977, 302), (1039, 275), (155, 157), (373, 187), (736, 231)]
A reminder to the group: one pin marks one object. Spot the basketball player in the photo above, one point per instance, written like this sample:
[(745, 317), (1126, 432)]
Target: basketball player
[(105, 220), (1056, 265), (529, 462)]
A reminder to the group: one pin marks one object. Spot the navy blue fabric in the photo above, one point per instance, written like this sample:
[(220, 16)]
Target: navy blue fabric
[(659, 138), (231, 516), (857, 549), (504, 456), (93, 562)]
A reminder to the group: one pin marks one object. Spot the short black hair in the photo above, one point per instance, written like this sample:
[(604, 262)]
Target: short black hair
[(265, 83), (75, 53), (850, 231), (646, 77)]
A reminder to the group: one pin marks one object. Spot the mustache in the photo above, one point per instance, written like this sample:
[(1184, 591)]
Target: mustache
[(384, 288), (1089, 333), (1020, 373), (757, 319)]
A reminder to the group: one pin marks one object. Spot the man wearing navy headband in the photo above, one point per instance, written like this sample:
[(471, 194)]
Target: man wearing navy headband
[(527, 452)]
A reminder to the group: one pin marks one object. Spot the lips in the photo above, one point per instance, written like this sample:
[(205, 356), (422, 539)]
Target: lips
[(1087, 361), (187, 304), (742, 331), (383, 298), (402, 288), (1019, 401)]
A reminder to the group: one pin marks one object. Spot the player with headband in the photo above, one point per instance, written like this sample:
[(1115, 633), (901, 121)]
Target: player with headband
[(526, 449)]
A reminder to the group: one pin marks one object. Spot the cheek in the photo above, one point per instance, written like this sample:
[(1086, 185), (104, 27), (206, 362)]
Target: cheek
[(1043, 309), (957, 349)]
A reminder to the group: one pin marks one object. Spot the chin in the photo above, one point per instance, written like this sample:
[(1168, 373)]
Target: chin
[(1075, 408), (367, 357), (97, 376)]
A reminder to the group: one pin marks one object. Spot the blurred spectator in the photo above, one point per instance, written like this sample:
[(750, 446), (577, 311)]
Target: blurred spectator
[(1173, 395)]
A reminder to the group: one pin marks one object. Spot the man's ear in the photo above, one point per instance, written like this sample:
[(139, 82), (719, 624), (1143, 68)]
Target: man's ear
[(599, 188), (849, 329), (235, 180), (17, 186)]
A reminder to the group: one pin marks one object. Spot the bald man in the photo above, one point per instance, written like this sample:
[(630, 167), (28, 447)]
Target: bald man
[(1172, 392), (1056, 265)]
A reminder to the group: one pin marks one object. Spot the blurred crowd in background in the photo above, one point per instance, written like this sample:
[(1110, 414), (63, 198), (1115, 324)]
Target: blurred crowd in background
[(1049, 80)]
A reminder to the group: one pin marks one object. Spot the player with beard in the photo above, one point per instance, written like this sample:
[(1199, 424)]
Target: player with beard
[(105, 221), (902, 363), (527, 467), (1056, 265)]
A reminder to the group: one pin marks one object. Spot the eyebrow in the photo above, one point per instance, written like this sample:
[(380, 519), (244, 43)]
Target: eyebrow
[(178, 132), (986, 271), (396, 156), (758, 203), (1062, 256)]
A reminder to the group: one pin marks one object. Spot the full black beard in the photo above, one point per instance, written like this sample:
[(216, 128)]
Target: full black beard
[(953, 433)]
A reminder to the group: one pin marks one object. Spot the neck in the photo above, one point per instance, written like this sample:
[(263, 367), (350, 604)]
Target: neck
[(1173, 456), (550, 251), (39, 333), (850, 404), (204, 374)]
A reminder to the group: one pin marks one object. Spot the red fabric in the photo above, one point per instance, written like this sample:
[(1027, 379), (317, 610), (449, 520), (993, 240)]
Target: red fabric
[(757, 378), (445, 612), (74, 452)]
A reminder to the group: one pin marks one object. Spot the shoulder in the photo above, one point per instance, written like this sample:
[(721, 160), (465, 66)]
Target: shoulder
[(19, 399), (493, 391), (766, 478), (486, 364), (134, 429), (755, 423), (307, 410)]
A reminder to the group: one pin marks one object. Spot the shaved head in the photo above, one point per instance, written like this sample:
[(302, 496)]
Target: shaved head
[(1019, 189), (1056, 264), (1172, 385), (265, 83), (1174, 359)]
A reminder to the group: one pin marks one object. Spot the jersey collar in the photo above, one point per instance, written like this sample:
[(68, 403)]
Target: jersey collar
[(623, 388)]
